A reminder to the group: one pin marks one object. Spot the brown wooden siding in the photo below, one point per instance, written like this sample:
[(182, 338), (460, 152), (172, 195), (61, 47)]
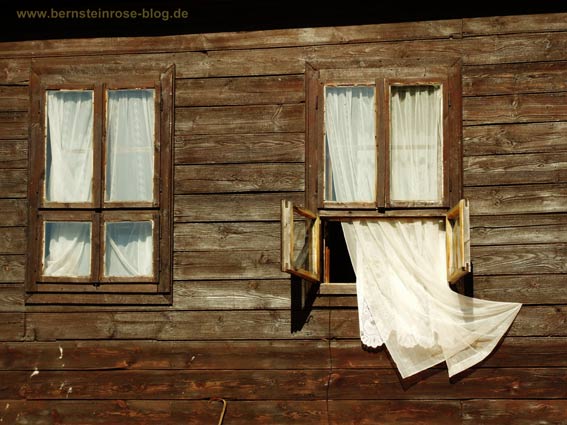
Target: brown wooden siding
[(236, 329)]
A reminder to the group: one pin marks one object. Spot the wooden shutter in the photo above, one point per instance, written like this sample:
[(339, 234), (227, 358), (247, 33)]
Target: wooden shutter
[(457, 231)]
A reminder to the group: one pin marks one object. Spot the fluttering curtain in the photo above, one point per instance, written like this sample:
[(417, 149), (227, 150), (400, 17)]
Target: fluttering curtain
[(129, 249), (67, 249), (130, 145), (69, 153), (404, 300), (350, 134), (416, 143)]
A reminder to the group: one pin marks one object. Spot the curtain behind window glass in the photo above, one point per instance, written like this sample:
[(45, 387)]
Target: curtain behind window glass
[(130, 145), (67, 249), (69, 147), (350, 144), (129, 248), (416, 143)]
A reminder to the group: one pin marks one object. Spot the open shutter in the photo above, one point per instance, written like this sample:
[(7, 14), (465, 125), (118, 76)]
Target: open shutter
[(457, 231), (300, 242)]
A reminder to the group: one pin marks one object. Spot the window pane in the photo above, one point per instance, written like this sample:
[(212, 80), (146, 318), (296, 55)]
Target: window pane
[(69, 146), (350, 146), (130, 145), (67, 249), (129, 248), (416, 143)]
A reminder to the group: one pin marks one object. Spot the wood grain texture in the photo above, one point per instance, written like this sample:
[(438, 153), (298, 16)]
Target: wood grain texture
[(14, 212), (15, 70), (14, 98), (13, 183), (514, 24), (240, 148), (517, 412), (238, 207), (11, 297), (239, 91), (12, 268), (13, 154), (514, 138), (233, 178), (13, 240), (13, 125), (240, 119), (12, 328), (527, 289)]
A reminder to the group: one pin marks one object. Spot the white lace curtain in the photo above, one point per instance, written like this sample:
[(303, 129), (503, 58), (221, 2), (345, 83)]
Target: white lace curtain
[(404, 299), (129, 249)]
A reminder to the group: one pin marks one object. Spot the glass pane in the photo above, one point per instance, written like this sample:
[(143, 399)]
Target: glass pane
[(129, 248), (416, 143), (67, 248), (350, 144), (69, 146), (130, 146)]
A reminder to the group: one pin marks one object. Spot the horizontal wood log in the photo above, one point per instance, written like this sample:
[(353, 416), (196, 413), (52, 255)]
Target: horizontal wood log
[(514, 138), (536, 77), (515, 108), (239, 91), (517, 199), (13, 240), (518, 412), (225, 236), (13, 183), (231, 178), (519, 259), (238, 207), (11, 297), (14, 212), (174, 326), (482, 383), (513, 24), (171, 412), (13, 154), (494, 170), (228, 265), (15, 70), (14, 98), (240, 119), (518, 229), (527, 289), (393, 412), (13, 125), (240, 148), (511, 352), (531, 321), (12, 268), (12, 327)]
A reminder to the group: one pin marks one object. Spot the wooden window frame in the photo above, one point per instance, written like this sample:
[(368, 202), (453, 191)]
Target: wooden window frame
[(100, 289)]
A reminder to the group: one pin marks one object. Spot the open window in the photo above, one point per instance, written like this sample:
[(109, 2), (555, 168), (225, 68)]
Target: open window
[(457, 233), (100, 185)]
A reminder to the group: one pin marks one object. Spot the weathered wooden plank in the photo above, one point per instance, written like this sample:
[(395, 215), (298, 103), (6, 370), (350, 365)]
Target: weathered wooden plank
[(15, 70), (527, 289), (13, 240), (13, 183), (517, 412), (514, 138), (514, 24), (11, 297), (225, 236), (170, 412), (12, 327), (271, 90), (228, 265), (518, 229), (13, 125), (484, 383), (174, 326), (230, 178), (533, 321), (164, 355), (515, 108), (517, 199), (512, 352), (240, 148), (393, 412), (493, 170), (13, 153), (14, 98), (240, 119), (239, 207), (519, 259), (12, 268), (536, 77)]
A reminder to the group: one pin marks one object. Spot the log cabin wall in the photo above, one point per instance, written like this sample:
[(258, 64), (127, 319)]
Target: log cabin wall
[(239, 149)]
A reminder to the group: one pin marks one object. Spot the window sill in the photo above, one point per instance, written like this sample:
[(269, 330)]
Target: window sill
[(337, 289)]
